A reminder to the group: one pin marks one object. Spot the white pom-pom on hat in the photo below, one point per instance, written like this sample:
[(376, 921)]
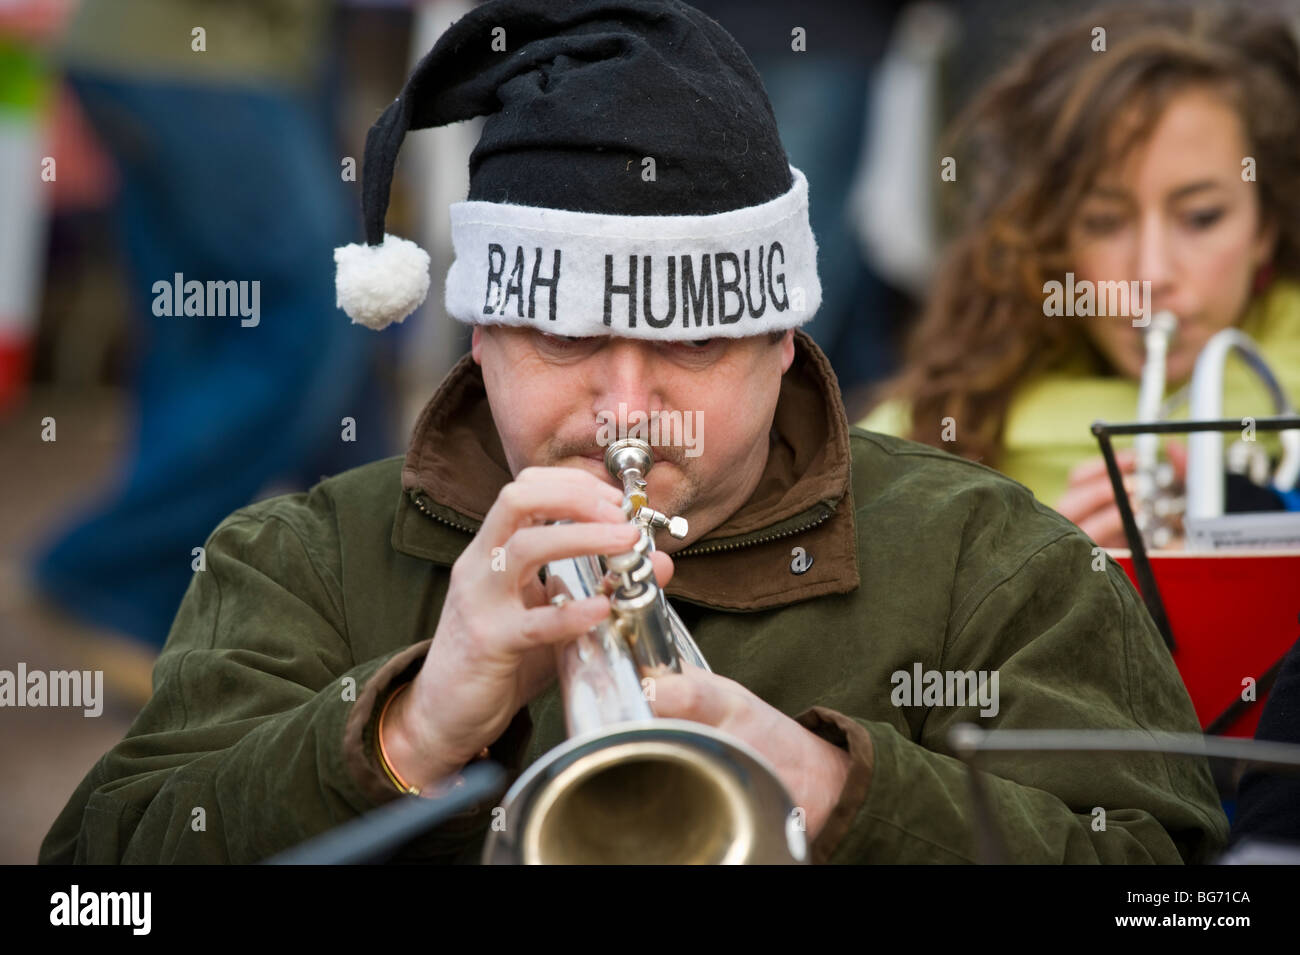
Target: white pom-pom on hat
[(381, 284)]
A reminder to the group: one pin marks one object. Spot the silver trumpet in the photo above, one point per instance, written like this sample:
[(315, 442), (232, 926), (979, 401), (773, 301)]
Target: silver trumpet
[(626, 786), (1158, 504)]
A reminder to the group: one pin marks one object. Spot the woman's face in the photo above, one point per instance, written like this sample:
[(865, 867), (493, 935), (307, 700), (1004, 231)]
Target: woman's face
[(1179, 214)]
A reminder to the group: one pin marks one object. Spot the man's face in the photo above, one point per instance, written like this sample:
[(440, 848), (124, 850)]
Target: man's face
[(556, 403)]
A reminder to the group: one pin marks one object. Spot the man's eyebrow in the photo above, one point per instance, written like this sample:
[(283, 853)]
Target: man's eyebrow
[(560, 337)]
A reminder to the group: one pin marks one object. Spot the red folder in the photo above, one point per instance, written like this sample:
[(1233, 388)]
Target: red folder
[(1233, 616)]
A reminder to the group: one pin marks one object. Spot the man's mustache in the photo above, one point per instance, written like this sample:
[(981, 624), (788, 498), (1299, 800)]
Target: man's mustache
[(670, 453), (589, 446)]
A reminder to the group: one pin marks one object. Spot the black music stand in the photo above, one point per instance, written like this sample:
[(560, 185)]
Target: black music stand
[(1146, 580), (969, 742), (380, 833)]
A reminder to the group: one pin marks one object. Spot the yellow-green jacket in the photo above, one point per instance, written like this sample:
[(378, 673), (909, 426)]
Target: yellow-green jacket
[(1048, 421)]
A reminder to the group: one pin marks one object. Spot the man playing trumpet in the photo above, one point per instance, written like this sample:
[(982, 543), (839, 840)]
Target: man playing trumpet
[(820, 562)]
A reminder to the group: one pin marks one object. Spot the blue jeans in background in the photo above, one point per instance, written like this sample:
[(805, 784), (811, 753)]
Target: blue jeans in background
[(221, 184)]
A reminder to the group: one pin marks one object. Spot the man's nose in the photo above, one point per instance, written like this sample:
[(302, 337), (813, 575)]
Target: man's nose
[(627, 373)]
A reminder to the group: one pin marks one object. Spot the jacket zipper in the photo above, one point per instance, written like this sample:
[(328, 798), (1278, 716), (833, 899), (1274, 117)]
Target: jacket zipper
[(718, 548), (418, 498)]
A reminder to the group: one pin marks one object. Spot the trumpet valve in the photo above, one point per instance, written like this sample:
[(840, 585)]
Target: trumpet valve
[(676, 526)]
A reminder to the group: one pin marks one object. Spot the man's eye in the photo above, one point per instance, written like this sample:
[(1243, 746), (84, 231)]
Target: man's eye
[(693, 344), (560, 341)]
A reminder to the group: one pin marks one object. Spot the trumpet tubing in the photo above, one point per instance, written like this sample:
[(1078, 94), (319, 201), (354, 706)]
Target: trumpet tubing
[(1157, 503), (1159, 506), (1205, 484)]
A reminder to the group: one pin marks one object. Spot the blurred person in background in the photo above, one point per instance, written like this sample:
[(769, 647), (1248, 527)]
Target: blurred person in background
[(1117, 164), (819, 82), (31, 115), (215, 113)]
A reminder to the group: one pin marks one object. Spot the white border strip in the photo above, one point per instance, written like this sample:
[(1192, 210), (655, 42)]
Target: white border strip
[(733, 274)]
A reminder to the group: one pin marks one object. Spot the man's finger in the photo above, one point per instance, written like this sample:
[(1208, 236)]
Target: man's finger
[(576, 476), (531, 547), (692, 694), (554, 623), (525, 504), (664, 568)]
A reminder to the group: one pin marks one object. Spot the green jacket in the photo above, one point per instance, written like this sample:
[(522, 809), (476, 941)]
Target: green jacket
[(313, 606)]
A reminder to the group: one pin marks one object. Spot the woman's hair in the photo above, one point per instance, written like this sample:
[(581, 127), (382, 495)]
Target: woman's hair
[(1029, 148)]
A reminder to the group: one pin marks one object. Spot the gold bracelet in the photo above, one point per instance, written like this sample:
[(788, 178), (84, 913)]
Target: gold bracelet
[(398, 782), (402, 785)]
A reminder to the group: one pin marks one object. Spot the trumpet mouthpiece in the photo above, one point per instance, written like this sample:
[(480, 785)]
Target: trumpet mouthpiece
[(1164, 323), (627, 455)]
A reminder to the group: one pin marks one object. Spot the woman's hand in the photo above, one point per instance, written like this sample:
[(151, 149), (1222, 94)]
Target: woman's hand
[(1089, 501)]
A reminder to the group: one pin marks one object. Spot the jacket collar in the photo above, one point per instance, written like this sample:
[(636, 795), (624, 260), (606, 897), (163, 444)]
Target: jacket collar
[(455, 467)]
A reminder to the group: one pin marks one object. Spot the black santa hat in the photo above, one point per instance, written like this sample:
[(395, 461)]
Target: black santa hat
[(569, 226)]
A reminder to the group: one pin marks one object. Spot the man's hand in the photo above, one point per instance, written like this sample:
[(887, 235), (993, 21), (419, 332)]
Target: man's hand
[(494, 648), (813, 770), (1089, 500)]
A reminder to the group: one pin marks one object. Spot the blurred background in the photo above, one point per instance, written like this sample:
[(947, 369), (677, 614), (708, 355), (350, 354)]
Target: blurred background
[(222, 139)]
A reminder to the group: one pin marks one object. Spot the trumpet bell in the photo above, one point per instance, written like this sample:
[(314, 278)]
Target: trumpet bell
[(660, 792)]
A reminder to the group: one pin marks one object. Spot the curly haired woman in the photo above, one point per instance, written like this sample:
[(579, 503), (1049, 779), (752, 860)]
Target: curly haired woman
[(1164, 148)]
